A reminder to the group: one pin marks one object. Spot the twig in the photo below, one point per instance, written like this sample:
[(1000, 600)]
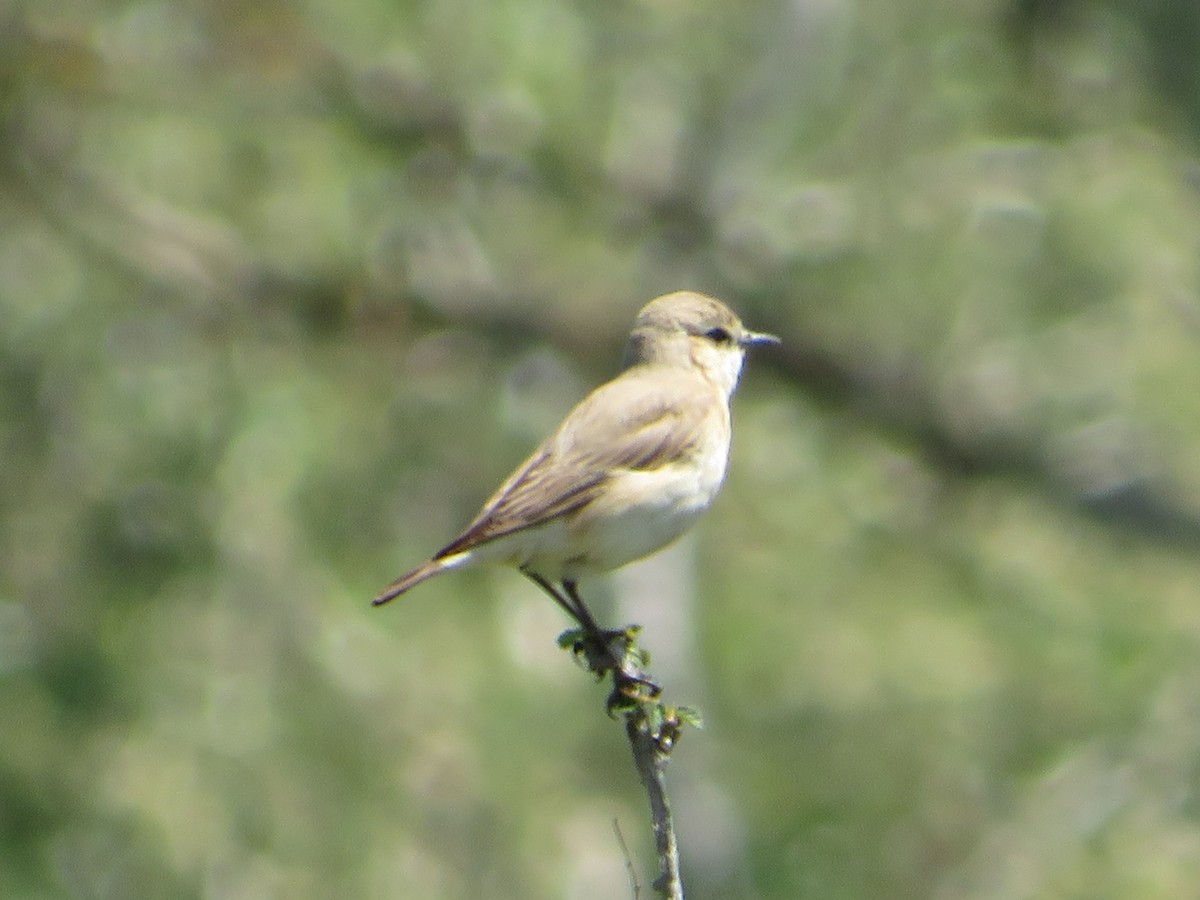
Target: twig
[(634, 884), (653, 729), (650, 760)]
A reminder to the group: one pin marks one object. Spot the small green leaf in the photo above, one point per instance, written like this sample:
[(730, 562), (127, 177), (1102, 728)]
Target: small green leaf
[(569, 638), (689, 715), (656, 714)]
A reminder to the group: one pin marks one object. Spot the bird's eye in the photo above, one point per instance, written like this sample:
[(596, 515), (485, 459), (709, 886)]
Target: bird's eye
[(718, 335)]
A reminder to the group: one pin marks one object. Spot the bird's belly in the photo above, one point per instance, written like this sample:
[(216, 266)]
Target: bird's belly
[(641, 512)]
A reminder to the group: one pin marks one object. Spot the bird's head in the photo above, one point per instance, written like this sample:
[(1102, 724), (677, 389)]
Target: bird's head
[(693, 330)]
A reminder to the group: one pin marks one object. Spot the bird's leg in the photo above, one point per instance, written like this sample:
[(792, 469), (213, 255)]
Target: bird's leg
[(584, 615), (606, 650), (595, 643), (554, 593), (609, 650)]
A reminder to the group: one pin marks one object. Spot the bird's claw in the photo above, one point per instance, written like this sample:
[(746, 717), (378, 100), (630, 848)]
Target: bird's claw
[(630, 691), (616, 651)]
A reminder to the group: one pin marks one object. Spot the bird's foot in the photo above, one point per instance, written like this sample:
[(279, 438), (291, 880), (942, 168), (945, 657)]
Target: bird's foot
[(630, 690), (616, 651), (603, 650)]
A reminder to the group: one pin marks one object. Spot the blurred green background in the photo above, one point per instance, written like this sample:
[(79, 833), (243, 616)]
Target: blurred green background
[(286, 288)]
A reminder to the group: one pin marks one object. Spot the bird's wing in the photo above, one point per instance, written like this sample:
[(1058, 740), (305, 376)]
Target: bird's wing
[(625, 425)]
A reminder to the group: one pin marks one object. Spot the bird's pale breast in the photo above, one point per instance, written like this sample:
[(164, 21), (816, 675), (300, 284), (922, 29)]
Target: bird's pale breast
[(640, 511)]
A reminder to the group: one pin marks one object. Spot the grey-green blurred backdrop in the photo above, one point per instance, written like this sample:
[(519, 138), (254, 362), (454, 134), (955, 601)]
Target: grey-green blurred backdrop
[(286, 287)]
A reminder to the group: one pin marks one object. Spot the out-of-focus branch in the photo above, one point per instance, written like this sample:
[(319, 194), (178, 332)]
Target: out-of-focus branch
[(206, 257), (903, 401)]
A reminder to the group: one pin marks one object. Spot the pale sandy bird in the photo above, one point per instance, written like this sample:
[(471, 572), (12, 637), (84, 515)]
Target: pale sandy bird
[(629, 469)]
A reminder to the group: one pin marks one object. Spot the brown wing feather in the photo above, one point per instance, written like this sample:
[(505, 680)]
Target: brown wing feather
[(537, 493), (655, 422)]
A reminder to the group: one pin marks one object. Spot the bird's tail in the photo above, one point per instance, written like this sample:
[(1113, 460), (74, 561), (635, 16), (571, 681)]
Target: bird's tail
[(410, 580)]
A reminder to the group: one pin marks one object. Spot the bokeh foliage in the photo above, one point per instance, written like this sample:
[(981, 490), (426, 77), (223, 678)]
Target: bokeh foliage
[(286, 288)]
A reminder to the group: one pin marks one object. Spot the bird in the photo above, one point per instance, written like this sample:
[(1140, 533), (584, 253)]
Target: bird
[(630, 468)]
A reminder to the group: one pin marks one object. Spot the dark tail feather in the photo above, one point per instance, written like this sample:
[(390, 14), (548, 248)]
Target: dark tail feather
[(410, 580)]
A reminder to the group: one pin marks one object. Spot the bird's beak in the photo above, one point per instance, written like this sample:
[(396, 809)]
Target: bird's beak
[(757, 338)]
